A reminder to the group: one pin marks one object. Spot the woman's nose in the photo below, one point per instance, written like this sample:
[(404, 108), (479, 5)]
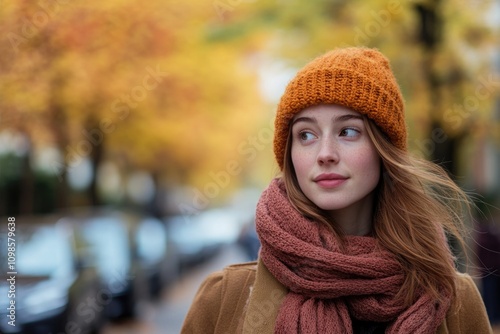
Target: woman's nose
[(328, 152)]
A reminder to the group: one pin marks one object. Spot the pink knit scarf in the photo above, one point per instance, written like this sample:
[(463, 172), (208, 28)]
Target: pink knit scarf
[(329, 286)]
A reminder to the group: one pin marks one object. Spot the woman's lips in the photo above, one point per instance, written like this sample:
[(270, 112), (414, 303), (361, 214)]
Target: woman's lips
[(330, 180)]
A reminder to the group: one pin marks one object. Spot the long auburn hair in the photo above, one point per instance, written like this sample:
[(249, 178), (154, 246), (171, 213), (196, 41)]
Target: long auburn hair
[(418, 206)]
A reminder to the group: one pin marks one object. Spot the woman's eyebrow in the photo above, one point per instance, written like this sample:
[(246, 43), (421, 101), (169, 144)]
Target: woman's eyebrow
[(347, 117), (304, 119)]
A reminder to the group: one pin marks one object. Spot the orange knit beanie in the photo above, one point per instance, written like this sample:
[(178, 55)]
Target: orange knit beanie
[(358, 78)]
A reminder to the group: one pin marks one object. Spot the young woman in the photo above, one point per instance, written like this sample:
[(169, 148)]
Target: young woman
[(354, 231)]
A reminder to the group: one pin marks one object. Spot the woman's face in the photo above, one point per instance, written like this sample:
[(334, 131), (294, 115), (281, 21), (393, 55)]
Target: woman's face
[(336, 164)]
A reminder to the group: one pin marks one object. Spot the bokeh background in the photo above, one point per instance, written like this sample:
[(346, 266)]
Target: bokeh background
[(165, 108)]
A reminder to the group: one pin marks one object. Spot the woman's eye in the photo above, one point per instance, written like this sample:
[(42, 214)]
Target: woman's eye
[(349, 132), (305, 136)]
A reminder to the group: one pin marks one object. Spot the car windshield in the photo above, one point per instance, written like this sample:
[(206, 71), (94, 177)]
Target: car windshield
[(40, 251), (151, 240), (109, 242)]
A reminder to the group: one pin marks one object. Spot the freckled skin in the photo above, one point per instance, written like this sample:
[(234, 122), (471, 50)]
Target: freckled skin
[(332, 140)]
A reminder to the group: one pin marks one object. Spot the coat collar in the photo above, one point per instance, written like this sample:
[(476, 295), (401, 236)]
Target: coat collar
[(264, 302)]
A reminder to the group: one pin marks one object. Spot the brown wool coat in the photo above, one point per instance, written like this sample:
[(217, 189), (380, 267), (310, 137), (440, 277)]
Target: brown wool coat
[(245, 298)]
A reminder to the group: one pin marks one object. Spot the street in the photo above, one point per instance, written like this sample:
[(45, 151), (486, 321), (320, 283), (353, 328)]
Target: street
[(166, 315)]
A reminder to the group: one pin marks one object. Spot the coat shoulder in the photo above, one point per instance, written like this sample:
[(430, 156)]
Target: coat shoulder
[(244, 267), (468, 313)]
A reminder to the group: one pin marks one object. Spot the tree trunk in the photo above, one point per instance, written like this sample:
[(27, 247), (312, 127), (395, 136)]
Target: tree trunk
[(431, 37), (59, 128), (445, 151), (27, 192), (96, 158)]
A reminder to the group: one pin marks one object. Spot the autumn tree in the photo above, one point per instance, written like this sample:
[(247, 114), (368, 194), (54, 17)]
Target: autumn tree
[(141, 83), (440, 51)]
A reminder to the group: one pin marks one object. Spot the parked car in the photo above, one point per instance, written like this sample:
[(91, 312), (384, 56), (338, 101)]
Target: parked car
[(249, 241), (198, 237), (156, 252), (131, 252), (51, 288), (189, 241)]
